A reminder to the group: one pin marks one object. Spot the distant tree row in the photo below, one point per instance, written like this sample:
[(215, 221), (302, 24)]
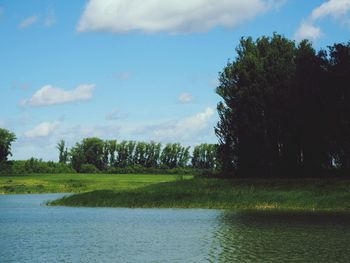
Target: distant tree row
[(285, 109), (96, 153)]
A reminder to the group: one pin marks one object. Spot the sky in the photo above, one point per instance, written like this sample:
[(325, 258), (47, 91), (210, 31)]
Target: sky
[(134, 69)]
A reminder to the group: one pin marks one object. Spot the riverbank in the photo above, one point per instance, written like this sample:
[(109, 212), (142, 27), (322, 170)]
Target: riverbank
[(77, 183), (305, 195)]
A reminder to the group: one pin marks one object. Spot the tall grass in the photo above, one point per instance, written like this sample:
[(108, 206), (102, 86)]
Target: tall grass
[(312, 195)]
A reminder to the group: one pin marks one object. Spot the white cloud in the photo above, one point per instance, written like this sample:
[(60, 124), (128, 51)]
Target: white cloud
[(333, 8), (336, 9), (185, 130), (28, 21), (308, 31), (44, 129), (185, 98), (50, 18), (50, 95), (171, 16)]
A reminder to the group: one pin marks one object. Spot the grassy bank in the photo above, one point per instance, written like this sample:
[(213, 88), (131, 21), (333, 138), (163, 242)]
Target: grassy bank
[(76, 183), (310, 195)]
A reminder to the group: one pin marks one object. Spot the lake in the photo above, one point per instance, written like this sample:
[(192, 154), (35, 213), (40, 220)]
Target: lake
[(33, 232)]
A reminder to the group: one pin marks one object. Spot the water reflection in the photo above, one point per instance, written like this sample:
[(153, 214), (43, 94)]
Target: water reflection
[(281, 237)]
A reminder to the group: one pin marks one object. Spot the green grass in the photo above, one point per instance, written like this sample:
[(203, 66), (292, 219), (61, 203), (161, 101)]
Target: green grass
[(76, 183), (135, 190), (303, 195)]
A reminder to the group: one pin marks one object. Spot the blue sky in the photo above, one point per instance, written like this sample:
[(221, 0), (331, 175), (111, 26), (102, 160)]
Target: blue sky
[(133, 69)]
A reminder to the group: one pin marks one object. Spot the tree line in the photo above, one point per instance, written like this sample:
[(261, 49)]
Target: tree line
[(98, 155), (95, 153), (285, 109)]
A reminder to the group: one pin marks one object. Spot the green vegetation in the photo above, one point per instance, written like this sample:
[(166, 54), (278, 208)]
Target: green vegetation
[(75, 183), (183, 191), (285, 109), (6, 139), (311, 195), (33, 166), (95, 154)]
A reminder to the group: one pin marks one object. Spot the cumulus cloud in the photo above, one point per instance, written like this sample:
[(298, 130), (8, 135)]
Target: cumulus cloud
[(44, 129), (308, 31), (333, 8), (184, 130), (50, 95), (185, 98), (336, 9), (171, 16), (28, 21)]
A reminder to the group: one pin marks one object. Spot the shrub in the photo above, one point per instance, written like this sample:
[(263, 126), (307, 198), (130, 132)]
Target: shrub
[(89, 168), (34, 166)]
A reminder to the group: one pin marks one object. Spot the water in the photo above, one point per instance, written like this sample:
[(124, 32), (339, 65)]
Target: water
[(33, 232)]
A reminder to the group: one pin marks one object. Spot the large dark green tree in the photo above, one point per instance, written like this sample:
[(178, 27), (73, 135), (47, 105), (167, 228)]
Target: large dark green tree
[(6, 139), (255, 91), (285, 108)]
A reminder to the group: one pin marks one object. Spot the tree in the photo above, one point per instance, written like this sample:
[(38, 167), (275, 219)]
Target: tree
[(338, 97), (112, 147), (93, 151), (63, 152), (204, 156), (174, 155), (6, 139), (89, 151), (255, 90), (77, 157), (105, 157), (285, 109)]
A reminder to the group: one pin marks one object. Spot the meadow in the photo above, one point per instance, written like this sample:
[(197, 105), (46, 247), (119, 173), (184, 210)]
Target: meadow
[(76, 183)]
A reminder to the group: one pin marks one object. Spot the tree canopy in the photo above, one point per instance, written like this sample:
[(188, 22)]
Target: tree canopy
[(6, 139), (285, 108)]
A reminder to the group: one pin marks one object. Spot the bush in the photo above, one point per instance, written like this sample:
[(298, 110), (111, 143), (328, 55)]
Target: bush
[(89, 168), (138, 169), (34, 166)]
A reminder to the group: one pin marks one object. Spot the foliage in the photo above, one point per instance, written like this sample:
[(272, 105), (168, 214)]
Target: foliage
[(174, 155), (89, 151), (138, 169), (204, 156), (284, 109), (6, 139), (34, 166), (63, 151), (88, 168), (133, 157)]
